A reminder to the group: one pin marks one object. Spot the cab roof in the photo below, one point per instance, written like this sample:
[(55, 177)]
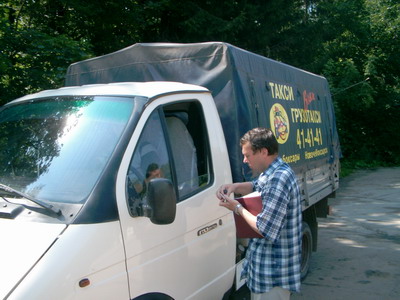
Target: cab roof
[(145, 89)]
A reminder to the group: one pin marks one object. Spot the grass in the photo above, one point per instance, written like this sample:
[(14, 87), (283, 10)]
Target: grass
[(347, 167)]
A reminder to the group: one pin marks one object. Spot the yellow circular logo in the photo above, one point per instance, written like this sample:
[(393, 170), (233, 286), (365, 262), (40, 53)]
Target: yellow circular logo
[(279, 123)]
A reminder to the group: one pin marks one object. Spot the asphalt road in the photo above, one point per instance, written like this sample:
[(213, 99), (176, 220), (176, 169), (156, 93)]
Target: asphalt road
[(358, 254)]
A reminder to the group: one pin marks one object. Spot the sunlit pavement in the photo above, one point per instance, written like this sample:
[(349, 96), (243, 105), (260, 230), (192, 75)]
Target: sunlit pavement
[(358, 253)]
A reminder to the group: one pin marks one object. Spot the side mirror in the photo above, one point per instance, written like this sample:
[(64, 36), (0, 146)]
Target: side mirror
[(162, 200)]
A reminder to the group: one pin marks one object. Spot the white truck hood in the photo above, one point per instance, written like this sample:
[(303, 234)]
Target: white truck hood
[(21, 245)]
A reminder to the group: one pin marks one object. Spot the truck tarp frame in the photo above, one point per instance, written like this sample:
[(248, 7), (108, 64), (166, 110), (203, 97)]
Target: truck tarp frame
[(249, 91)]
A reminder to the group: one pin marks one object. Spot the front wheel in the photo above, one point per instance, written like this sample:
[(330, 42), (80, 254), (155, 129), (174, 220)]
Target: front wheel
[(306, 249)]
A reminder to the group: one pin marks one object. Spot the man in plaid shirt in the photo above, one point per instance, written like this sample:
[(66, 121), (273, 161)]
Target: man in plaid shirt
[(272, 265)]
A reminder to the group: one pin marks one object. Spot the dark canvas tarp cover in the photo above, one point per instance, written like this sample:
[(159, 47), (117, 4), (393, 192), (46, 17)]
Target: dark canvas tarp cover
[(249, 91)]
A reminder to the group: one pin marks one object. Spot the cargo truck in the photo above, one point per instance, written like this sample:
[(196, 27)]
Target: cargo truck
[(107, 185)]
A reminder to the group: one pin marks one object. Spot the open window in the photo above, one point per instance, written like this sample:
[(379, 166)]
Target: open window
[(173, 145)]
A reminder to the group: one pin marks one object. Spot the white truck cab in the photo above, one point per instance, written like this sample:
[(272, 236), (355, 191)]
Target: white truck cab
[(118, 196)]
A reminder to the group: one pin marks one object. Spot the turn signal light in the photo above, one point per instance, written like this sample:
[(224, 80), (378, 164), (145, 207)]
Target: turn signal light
[(84, 282)]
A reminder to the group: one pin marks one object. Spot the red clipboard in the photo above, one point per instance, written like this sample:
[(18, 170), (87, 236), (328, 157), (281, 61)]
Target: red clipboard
[(251, 202)]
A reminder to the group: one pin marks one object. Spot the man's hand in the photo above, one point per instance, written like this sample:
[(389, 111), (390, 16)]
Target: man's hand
[(224, 190), (228, 203)]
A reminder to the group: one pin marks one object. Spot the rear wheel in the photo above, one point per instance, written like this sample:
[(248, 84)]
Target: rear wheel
[(306, 249)]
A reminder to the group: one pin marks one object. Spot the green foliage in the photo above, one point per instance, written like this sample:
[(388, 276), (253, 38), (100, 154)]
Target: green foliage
[(353, 43), (36, 61), (347, 167), (358, 57), (33, 57)]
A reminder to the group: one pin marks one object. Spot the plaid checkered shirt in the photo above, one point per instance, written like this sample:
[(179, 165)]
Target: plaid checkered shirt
[(275, 259)]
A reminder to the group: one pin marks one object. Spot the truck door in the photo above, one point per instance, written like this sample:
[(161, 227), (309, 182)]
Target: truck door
[(183, 259)]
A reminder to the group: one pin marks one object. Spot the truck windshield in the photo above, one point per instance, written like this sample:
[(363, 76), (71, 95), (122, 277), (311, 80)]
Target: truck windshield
[(55, 149)]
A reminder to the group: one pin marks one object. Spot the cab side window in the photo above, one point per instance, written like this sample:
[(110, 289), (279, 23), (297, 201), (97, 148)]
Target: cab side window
[(150, 160), (173, 145), (184, 155)]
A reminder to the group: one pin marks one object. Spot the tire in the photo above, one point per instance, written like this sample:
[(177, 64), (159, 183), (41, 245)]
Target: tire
[(306, 249)]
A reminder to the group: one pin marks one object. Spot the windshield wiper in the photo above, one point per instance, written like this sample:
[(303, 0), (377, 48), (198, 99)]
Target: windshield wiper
[(47, 206)]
